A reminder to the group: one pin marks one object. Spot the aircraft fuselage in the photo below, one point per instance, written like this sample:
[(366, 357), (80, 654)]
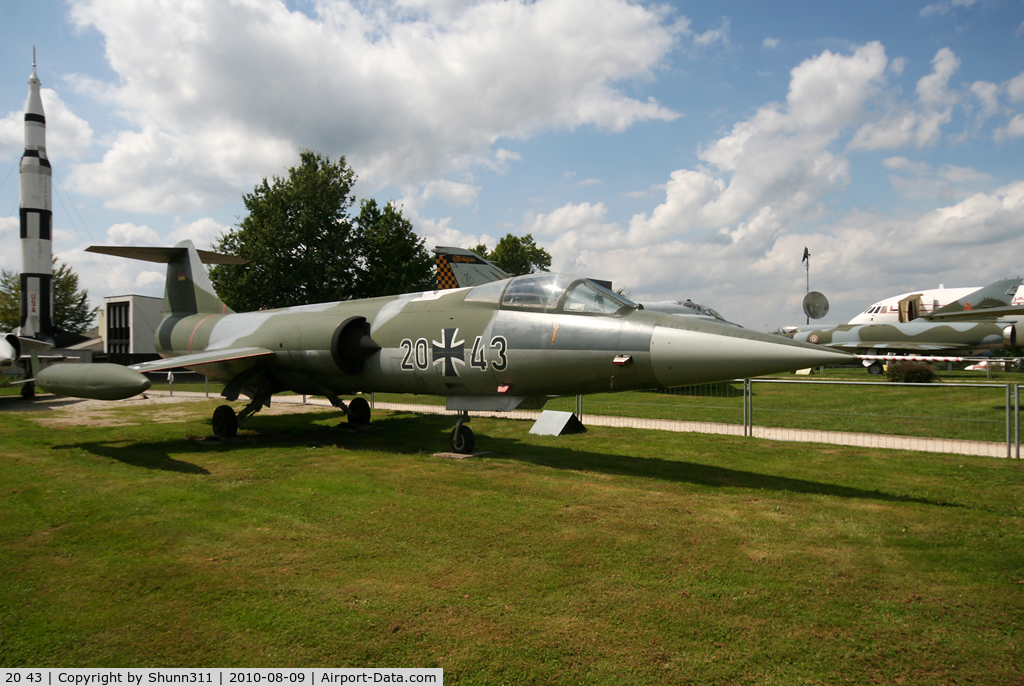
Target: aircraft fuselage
[(439, 343)]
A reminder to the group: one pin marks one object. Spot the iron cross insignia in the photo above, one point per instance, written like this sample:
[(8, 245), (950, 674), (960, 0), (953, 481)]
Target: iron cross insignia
[(449, 351)]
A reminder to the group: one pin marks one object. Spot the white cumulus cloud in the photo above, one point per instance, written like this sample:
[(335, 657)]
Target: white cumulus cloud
[(918, 124), (218, 93)]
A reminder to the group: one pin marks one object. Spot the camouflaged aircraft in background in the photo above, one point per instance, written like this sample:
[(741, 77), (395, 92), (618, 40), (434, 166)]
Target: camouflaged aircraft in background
[(499, 346), (983, 319)]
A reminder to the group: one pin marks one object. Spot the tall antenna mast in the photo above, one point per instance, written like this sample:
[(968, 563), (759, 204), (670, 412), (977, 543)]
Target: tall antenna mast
[(807, 261)]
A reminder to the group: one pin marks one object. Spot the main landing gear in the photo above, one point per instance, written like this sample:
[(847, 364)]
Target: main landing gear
[(226, 422), (358, 411), (463, 440)]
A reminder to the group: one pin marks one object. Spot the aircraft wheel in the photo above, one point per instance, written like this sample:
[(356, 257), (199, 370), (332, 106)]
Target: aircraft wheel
[(28, 391), (225, 422), (463, 440), (875, 368), (359, 412)]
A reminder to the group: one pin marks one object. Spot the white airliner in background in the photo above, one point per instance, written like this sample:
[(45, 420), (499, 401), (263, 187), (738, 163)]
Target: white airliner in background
[(909, 306)]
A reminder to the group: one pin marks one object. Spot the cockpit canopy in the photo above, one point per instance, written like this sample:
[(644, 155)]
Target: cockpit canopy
[(547, 292)]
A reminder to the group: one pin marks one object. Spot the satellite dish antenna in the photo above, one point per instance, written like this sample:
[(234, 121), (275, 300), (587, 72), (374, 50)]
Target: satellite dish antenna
[(815, 305)]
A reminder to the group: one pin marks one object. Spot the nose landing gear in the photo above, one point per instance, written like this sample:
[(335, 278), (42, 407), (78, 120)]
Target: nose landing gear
[(463, 440)]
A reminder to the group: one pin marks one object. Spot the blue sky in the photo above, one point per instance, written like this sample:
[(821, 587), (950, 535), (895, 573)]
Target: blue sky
[(683, 150)]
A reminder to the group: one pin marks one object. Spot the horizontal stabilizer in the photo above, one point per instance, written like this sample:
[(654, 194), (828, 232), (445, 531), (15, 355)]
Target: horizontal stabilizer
[(163, 255), (198, 359), (187, 289)]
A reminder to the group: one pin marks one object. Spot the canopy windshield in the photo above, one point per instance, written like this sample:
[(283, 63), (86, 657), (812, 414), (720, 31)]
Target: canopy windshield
[(571, 294)]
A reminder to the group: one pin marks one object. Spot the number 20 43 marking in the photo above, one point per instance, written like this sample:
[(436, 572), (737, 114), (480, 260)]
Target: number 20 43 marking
[(417, 354)]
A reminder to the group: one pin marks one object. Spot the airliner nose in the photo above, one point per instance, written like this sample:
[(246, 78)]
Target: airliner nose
[(680, 357), (8, 354)]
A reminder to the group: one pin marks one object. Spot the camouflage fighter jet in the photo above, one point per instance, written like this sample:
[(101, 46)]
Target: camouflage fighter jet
[(499, 346), (983, 319)]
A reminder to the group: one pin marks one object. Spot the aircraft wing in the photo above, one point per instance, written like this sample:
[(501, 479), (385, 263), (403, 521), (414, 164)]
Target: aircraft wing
[(29, 345), (891, 345), (199, 359), (978, 314)]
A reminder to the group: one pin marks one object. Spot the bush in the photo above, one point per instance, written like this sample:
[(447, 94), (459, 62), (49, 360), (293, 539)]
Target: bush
[(911, 372)]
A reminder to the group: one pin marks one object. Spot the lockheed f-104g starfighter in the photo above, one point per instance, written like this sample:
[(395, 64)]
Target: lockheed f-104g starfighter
[(498, 346)]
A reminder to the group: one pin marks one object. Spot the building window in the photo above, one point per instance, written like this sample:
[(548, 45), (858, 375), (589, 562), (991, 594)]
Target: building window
[(119, 332)]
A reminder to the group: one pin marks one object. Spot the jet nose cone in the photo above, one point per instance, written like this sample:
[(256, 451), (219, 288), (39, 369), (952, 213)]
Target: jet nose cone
[(681, 357)]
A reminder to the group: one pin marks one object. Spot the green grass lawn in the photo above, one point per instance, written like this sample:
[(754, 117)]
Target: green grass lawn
[(612, 557)]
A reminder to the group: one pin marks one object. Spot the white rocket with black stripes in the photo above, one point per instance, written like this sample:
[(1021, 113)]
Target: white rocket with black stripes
[(36, 221)]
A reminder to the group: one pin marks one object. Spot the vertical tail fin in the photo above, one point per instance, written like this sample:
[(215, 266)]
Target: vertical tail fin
[(982, 302), (188, 289), (458, 267)]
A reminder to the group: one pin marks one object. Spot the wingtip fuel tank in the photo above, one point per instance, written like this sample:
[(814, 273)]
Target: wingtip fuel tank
[(97, 381)]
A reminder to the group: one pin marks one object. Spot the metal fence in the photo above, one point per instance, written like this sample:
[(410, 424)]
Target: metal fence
[(970, 418)]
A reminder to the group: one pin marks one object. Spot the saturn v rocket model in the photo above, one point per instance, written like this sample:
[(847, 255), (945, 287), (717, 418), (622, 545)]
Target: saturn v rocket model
[(36, 222)]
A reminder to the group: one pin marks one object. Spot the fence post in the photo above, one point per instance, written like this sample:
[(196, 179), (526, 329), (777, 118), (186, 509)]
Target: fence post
[(579, 408), (748, 408), (1009, 453), (1016, 419), (744, 407), (206, 382)]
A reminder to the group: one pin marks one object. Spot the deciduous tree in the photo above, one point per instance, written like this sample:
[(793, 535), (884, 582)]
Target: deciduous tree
[(392, 258), (298, 238), (517, 255), (304, 247)]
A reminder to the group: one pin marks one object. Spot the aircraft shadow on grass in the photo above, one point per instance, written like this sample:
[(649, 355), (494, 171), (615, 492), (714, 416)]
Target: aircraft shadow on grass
[(146, 455), (655, 467), (406, 434), (15, 403)]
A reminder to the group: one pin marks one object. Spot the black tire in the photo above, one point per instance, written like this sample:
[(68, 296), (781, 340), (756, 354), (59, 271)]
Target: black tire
[(28, 391), (225, 422), (875, 368), (359, 412), (463, 440)]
